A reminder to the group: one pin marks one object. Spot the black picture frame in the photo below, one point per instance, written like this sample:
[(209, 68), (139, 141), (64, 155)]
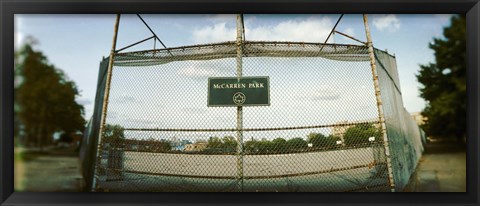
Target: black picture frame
[(10, 7)]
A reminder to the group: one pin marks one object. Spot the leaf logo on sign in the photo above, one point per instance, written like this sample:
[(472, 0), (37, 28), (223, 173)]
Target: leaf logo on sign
[(239, 98)]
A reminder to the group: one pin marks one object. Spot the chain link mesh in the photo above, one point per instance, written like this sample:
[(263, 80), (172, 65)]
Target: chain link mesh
[(321, 132), (405, 137)]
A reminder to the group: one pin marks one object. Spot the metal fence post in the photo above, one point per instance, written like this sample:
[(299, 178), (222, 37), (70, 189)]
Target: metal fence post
[(381, 115), (239, 108), (98, 154)]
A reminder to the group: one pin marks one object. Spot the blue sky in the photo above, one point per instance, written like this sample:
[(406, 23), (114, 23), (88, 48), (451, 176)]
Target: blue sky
[(76, 43)]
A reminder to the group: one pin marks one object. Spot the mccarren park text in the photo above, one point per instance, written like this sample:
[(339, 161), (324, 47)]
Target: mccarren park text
[(235, 86)]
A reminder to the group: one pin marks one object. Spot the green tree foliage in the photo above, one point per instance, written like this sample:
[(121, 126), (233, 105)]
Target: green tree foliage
[(44, 99), (360, 133), (279, 145), (149, 145), (155, 145), (163, 145), (214, 143), (444, 83), (230, 143), (321, 141), (263, 146), (296, 144), (227, 144), (251, 146), (113, 134)]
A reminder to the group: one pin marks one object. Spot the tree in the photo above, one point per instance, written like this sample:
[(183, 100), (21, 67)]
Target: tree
[(251, 146), (317, 140), (229, 144), (444, 83), (114, 135), (296, 144), (44, 98), (161, 146), (226, 144), (279, 145), (214, 143), (263, 146), (360, 133), (321, 141)]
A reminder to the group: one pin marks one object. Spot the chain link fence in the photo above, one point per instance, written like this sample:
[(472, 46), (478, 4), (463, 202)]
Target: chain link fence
[(320, 133)]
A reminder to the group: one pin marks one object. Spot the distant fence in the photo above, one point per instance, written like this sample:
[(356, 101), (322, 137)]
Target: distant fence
[(321, 131)]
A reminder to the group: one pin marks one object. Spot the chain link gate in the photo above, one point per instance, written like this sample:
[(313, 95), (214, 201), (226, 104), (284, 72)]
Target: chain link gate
[(321, 132)]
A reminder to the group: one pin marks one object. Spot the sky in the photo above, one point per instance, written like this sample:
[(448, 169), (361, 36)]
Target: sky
[(77, 43)]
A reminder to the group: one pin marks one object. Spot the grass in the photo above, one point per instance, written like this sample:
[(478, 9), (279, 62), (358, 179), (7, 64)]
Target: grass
[(28, 155), (18, 156)]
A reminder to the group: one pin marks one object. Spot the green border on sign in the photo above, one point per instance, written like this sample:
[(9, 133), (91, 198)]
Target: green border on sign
[(233, 104)]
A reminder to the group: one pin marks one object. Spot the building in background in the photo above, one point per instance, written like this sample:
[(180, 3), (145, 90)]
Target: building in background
[(196, 147), (419, 119)]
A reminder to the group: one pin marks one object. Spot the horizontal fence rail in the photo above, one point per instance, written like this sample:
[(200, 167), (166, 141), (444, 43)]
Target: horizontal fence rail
[(243, 129)]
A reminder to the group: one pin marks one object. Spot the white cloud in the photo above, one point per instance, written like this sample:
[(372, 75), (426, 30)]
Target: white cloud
[(313, 29), (308, 30), (222, 17), (197, 73), (323, 93), (390, 22), (201, 70), (18, 36), (18, 39), (216, 33), (350, 32), (249, 20), (83, 101)]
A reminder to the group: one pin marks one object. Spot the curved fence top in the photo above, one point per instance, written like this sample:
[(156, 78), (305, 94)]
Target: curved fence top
[(339, 52)]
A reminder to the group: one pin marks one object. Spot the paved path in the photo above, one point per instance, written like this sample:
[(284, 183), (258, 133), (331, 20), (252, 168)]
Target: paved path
[(49, 172), (441, 169)]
